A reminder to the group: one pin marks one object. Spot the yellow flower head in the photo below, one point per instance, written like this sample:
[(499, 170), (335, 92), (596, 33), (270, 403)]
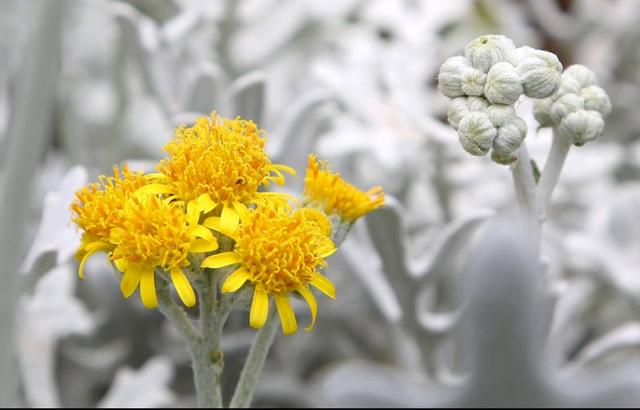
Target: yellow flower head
[(155, 233), (97, 209), (279, 251), (221, 158), (336, 196)]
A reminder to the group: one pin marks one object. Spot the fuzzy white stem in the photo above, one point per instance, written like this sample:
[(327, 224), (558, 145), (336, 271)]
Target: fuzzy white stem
[(551, 173)]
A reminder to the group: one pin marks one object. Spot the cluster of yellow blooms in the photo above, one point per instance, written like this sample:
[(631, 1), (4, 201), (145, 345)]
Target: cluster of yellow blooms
[(211, 188)]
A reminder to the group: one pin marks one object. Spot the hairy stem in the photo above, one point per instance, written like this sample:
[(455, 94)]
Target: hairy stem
[(255, 361), (177, 316), (551, 173)]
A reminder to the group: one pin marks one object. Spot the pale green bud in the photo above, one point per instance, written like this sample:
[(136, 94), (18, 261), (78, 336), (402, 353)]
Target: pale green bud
[(473, 81), (450, 76), (508, 139), (541, 111), (477, 103), (520, 54), (568, 85), (503, 84), (595, 98), (564, 106), (550, 59), (500, 114), (476, 133), (582, 74), (457, 110), (539, 80), (581, 127), (487, 50)]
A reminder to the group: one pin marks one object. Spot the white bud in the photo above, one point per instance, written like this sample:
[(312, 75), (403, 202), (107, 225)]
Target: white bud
[(550, 59), (500, 114), (508, 139), (581, 127), (541, 111), (582, 74), (457, 110), (539, 80), (595, 98), (568, 85), (473, 81), (564, 106), (477, 103), (450, 76), (476, 133), (503, 84), (520, 54), (487, 50)]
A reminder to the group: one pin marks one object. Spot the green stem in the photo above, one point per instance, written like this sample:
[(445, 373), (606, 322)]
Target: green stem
[(255, 361)]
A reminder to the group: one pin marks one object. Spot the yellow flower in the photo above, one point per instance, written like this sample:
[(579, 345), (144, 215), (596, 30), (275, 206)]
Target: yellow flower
[(336, 196), (155, 233), (222, 159), (97, 209), (279, 251)]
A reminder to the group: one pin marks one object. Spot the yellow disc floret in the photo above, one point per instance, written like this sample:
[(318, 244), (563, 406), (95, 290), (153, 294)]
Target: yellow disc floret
[(97, 209), (279, 251), (334, 195)]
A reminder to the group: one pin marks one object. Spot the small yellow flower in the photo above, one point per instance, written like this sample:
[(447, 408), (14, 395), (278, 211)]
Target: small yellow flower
[(279, 251), (222, 159), (97, 209), (336, 196), (155, 233)]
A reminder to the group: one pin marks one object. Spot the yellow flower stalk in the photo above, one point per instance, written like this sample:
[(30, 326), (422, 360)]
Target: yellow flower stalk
[(218, 162), (335, 196), (157, 234), (279, 251), (97, 209)]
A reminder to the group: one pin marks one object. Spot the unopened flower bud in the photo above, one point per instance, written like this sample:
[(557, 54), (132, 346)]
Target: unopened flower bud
[(503, 84), (520, 54), (487, 50), (502, 158), (550, 59), (450, 76), (477, 103), (476, 133), (568, 85), (539, 80), (541, 111), (595, 98), (500, 114), (508, 138), (457, 110), (581, 127), (564, 106), (582, 74), (473, 81)]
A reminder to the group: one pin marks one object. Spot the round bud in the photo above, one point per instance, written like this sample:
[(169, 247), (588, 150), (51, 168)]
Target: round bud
[(503, 84), (568, 85), (457, 110), (564, 106), (508, 139), (476, 133), (541, 111), (500, 114), (595, 98), (581, 127), (550, 59), (582, 74), (487, 50), (520, 54), (450, 76), (539, 80), (477, 103), (473, 81)]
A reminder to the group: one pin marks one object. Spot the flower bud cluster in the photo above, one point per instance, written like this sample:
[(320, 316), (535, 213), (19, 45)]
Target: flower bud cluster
[(485, 84), (578, 107)]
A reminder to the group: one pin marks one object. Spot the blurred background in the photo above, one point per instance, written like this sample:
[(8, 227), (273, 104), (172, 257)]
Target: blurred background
[(88, 84)]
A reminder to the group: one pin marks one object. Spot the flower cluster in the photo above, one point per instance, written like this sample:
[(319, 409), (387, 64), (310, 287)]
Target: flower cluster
[(485, 85), (209, 191), (577, 109)]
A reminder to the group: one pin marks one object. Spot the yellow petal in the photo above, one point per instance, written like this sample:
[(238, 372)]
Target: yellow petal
[(212, 222), (90, 249), (259, 308), (235, 280), (183, 287), (278, 178), (121, 264), (220, 259), (328, 251), (201, 232), (193, 215), (153, 189), (324, 285), (287, 317), (242, 210), (229, 220), (313, 305), (205, 203), (285, 168), (148, 289), (201, 245), (129, 282)]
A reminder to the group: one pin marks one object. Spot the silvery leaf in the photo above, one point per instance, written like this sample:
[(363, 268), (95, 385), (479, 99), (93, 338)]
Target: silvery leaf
[(247, 97)]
